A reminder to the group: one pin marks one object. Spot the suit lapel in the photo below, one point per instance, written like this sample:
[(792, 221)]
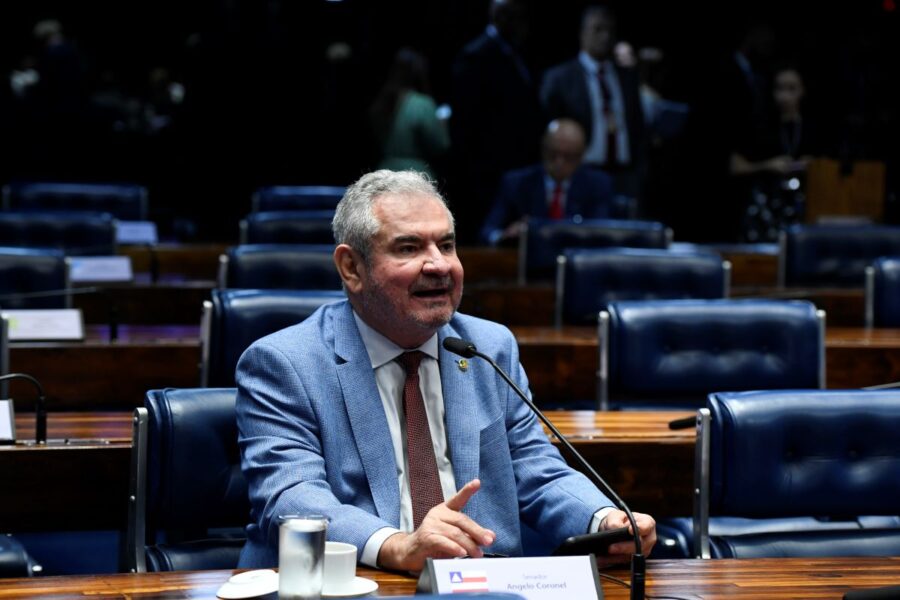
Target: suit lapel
[(366, 413), (460, 390)]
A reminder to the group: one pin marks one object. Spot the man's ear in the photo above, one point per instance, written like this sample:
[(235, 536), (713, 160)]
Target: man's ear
[(350, 267)]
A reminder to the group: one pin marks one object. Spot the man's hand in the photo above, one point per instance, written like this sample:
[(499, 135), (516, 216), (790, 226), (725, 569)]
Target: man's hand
[(646, 527), (445, 532)]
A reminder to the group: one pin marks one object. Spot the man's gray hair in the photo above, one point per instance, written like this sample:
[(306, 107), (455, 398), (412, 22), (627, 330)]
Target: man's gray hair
[(355, 223)]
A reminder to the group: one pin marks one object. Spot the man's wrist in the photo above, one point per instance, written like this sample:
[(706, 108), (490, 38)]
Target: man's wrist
[(389, 555)]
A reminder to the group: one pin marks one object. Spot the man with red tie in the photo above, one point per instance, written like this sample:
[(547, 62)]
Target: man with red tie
[(558, 188), (604, 98)]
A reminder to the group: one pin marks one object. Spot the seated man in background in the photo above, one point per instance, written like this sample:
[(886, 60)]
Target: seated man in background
[(359, 414), (558, 188)]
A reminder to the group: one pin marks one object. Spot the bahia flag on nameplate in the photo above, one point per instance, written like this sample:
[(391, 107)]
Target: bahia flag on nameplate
[(468, 581)]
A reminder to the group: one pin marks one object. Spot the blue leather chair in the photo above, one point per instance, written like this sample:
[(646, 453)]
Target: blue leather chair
[(297, 197), (673, 353), (279, 266), (74, 233), (544, 239), (15, 561), (789, 454), (123, 200), (833, 255), (883, 293), (288, 227), (234, 319), (25, 271), (186, 480), (588, 280)]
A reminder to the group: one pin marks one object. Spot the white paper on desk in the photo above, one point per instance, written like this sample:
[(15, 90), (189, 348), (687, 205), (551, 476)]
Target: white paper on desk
[(84, 269), (136, 232), (7, 421), (45, 324)]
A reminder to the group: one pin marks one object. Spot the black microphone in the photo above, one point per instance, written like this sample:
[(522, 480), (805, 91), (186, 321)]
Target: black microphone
[(638, 561), (40, 409)]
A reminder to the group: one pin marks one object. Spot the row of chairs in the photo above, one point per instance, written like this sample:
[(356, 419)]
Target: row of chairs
[(779, 473), (129, 201)]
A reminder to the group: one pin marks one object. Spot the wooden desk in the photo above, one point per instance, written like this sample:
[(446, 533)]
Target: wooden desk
[(102, 374), (159, 303), (85, 486), (782, 578), (562, 363)]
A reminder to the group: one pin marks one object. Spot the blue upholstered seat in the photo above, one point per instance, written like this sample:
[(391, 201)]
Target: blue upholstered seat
[(279, 266), (288, 227), (672, 353), (186, 480), (125, 201), (589, 279), (833, 255), (28, 272), (74, 233), (297, 197), (793, 455), (544, 240), (234, 319), (883, 292)]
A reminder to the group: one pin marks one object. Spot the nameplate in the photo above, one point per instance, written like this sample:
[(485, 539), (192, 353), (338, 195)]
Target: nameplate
[(136, 232), (533, 578), (94, 269), (7, 422), (44, 324)]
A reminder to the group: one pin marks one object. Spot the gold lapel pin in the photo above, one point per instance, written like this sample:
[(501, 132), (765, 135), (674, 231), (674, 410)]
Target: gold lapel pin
[(463, 365)]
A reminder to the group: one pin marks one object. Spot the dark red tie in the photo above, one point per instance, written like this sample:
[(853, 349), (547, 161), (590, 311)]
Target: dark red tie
[(556, 203), (424, 482), (609, 116)]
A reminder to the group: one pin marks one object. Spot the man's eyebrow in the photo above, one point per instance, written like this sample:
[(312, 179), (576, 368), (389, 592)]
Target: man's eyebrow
[(406, 239)]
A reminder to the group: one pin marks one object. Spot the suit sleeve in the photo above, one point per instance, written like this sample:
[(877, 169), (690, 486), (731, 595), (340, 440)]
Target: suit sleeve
[(553, 498), (281, 452)]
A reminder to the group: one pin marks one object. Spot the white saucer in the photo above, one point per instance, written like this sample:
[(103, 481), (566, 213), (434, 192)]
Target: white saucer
[(360, 586), (249, 584)]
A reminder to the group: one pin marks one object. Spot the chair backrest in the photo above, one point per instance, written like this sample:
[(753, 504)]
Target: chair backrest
[(544, 239), (234, 319), (297, 197), (833, 255), (588, 280), (279, 266), (675, 352), (288, 227), (883, 292), (125, 201), (185, 480), (72, 232), (30, 271), (790, 453)]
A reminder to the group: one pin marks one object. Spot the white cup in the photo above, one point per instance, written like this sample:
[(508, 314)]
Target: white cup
[(340, 569)]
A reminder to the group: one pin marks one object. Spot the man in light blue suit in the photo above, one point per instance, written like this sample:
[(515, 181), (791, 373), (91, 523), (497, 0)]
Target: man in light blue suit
[(322, 407)]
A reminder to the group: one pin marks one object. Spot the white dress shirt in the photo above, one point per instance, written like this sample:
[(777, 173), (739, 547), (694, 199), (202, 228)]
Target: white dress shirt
[(390, 378), (596, 151)]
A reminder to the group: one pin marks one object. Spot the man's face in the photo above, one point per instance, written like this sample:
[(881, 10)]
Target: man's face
[(562, 154), (788, 91), (413, 282), (598, 35)]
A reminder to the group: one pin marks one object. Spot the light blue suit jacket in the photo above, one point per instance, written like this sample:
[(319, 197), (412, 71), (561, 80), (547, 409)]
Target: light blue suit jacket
[(314, 439)]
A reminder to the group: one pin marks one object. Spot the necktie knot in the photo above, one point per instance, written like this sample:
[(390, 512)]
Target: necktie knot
[(410, 361)]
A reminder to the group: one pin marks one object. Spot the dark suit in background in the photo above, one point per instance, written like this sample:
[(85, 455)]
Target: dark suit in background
[(523, 192), (496, 124)]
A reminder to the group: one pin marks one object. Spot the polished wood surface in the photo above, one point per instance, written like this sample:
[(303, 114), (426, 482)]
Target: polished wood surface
[(190, 261), (782, 578), (99, 373), (83, 484), (562, 363)]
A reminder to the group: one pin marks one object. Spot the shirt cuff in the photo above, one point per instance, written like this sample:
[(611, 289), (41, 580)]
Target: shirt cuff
[(595, 522), (373, 546)]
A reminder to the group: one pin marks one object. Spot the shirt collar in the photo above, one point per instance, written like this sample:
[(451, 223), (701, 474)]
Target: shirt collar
[(382, 350), (592, 66)]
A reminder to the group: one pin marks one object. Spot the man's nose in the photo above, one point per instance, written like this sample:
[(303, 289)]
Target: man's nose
[(435, 263)]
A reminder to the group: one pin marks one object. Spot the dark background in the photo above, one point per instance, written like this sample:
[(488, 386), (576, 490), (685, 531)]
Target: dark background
[(265, 104)]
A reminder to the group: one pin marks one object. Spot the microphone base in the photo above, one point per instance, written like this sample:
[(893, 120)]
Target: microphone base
[(638, 576)]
